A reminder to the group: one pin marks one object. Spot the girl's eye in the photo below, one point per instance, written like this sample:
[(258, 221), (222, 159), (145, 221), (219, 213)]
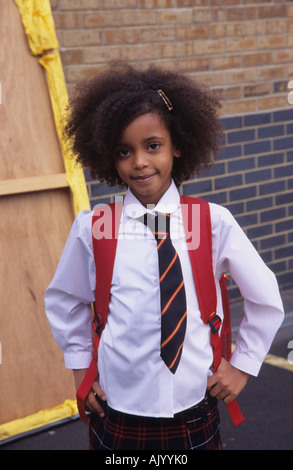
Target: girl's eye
[(122, 153), (154, 146)]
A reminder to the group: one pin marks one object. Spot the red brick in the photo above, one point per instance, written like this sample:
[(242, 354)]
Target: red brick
[(271, 11), (79, 4), (121, 36), (67, 20), (241, 76), (95, 55), (138, 17), (54, 4), (176, 49), (102, 19), (257, 59), (290, 40), (158, 34), (241, 106), (229, 93), (241, 44), (227, 2), (273, 72), (218, 30), (271, 42), (82, 37), (208, 15), (289, 10), (242, 13), (258, 89), (193, 64), (158, 4), (75, 73), (175, 16), (72, 56), (209, 46), (283, 56), (190, 3), (192, 32), (271, 102), (119, 4), (214, 79), (226, 62), (140, 52)]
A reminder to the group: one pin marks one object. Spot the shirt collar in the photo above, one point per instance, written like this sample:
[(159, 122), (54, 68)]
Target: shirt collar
[(169, 203)]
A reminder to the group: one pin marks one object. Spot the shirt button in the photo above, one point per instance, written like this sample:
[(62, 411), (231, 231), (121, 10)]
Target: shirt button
[(157, 282)]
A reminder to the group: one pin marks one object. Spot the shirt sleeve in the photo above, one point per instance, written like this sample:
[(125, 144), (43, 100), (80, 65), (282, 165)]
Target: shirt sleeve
[(263, 309), (70, 293)]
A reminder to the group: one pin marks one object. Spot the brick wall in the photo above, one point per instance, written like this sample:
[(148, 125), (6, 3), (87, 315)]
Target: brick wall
[(242, 49), (254, 179)]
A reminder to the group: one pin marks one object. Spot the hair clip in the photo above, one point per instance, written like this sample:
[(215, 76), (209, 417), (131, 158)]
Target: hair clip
[(165, 99)]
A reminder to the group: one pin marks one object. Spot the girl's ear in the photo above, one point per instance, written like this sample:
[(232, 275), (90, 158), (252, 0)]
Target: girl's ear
[(177, 153)]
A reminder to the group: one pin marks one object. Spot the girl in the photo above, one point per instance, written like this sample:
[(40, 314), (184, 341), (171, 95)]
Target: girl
[(148, 131)]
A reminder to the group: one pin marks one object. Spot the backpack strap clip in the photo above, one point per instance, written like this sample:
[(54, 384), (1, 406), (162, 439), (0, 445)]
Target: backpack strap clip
[(96, 320), (215, 324)]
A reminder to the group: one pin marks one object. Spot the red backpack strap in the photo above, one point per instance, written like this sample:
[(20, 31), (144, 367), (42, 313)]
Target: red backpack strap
[(202, 267), (201, 263), (226, 339), (226, 333), (105, 227)]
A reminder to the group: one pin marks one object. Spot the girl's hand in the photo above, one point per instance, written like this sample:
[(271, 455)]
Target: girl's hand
[(91, 401), (227, 382)]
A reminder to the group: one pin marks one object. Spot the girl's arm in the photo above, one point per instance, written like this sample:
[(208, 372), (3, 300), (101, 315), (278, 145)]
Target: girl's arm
[(227, 382), (263, 309), (70, 293)]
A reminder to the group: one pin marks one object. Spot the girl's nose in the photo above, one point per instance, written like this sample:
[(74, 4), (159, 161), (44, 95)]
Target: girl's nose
[(140, 160)]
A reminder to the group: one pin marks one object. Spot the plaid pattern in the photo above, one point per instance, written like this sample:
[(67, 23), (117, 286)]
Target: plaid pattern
[(195, 429)]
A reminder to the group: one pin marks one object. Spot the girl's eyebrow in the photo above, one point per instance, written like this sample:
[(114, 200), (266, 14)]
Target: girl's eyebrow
[(154, 137), (144, 141)]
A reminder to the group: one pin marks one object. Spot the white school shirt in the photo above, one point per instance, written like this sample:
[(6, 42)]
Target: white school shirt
[(131, 371)]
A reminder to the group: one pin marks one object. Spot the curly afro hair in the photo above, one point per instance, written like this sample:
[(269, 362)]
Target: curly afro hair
[(104, 105)]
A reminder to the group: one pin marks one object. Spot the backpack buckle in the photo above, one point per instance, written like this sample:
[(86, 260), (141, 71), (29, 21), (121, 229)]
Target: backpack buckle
[(215, 324)]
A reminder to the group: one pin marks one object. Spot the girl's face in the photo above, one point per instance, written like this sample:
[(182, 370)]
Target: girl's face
[(144, 158)]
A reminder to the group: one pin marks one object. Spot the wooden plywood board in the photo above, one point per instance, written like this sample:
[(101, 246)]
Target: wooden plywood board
[(32, 374), (28, 145), (35, 222)]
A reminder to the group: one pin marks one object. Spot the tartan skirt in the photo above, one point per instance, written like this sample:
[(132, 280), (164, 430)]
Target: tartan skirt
[(197, 428)]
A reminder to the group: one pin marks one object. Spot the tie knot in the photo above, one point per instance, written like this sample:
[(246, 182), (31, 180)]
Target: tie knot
[(159, 225)]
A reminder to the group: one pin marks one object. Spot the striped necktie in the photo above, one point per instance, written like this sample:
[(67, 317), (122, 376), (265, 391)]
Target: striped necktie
[(173, 299)]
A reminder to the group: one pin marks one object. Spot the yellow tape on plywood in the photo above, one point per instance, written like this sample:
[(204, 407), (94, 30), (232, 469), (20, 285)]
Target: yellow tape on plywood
[(33, 422), (39, 27)]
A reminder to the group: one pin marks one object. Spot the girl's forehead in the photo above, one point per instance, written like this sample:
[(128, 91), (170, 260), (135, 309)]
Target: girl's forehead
[(145, 123)]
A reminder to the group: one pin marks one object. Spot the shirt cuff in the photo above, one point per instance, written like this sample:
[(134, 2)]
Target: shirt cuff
[(244, 363), (77, 361)]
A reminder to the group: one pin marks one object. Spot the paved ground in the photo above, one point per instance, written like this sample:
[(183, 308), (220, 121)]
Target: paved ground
[(266, 404)]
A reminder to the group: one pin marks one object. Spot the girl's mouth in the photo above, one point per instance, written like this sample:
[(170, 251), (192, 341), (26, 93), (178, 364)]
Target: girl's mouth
[(143, 178)]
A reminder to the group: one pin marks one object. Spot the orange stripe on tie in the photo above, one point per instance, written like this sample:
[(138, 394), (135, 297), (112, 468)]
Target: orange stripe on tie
[(169, 267), (175, 331), (175, 358), (162, 241), (172, 298)]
